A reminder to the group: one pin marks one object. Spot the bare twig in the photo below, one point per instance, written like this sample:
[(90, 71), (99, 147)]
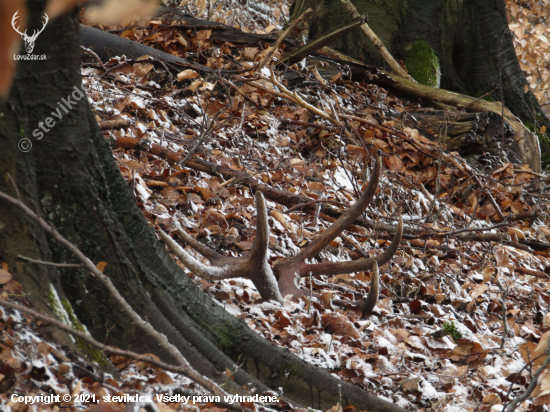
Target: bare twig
[(90, 51), (515, 402), (109, 350), (302, 205), (59, 265), (146, 326), (272, 49)]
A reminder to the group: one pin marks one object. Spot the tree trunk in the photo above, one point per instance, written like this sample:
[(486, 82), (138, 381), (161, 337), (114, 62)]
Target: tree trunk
[(470, 38), (70, 177)]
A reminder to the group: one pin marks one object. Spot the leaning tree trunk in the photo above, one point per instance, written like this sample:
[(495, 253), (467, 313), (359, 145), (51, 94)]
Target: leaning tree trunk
[(70, 177), (470, 38)]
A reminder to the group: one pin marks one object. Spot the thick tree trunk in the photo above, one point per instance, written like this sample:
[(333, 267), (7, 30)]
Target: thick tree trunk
[(471, 39), (70, 177)]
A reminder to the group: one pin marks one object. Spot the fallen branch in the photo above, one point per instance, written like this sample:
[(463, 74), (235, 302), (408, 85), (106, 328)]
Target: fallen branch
[(531, 272), (527, 142), (322, 41), (534, 380)]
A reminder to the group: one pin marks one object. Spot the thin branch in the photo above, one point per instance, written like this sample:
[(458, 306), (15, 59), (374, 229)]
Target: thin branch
[(88, 264), (515, 402), (109, 350), (59, 265), (272, 49), (302, 205)]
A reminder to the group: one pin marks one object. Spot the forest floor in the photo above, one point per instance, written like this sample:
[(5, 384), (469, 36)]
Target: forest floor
[(463, 319)]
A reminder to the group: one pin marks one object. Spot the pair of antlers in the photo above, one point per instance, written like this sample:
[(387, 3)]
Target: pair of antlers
[(280, 280)]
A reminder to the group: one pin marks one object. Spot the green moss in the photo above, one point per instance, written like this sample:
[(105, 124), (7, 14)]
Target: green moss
[(423, 64), (456, 330), (93, 353), (290, 371), (225, 338), (63, 310), (58, 308)]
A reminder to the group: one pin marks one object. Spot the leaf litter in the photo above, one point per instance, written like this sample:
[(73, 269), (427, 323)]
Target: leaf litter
[(436, 340)]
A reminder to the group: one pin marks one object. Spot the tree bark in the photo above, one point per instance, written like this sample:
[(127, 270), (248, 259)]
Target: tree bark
[(70, 177), (471, 39)]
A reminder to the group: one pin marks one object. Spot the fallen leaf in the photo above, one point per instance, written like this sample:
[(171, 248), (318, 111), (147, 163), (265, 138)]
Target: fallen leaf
[(187, 74), (340, 325), (101, 266), (5, 276)]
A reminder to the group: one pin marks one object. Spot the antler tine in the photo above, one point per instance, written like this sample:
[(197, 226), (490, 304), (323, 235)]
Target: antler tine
[(287, 268), (329, 234), (334, 268), (372, 298), (260, 247), (213, 256), (197, 268)]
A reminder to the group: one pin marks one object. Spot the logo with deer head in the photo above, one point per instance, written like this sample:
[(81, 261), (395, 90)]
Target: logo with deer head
[(29, 40)]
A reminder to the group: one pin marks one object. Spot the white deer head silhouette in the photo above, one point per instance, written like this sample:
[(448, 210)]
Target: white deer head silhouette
[(29, 40)]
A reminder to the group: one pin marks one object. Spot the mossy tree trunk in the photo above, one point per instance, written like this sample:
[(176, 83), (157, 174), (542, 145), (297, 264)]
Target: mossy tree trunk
[(470, 38), (69, 176)]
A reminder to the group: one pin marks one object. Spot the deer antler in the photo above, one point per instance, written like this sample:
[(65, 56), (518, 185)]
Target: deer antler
[(370, 302), (256, 267), (287, 269)]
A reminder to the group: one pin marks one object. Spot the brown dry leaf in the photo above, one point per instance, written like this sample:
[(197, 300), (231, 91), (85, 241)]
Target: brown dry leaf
[(469, 351), (488, 274), (101, 266), (205, 193), (491, 398), (164, 378), (411, 385), (502, 258), (114, 11), (204, 34), (194, 86), (394, 164), (478, 290), (250, 52), (400, 334), (516, 232), (5, 276), (187, 74), (281, 219), (326, 299), (10, 40), (283, 320), (340, 325)]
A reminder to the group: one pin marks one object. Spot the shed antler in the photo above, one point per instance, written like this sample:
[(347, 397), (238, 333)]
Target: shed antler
[(255, 266)]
